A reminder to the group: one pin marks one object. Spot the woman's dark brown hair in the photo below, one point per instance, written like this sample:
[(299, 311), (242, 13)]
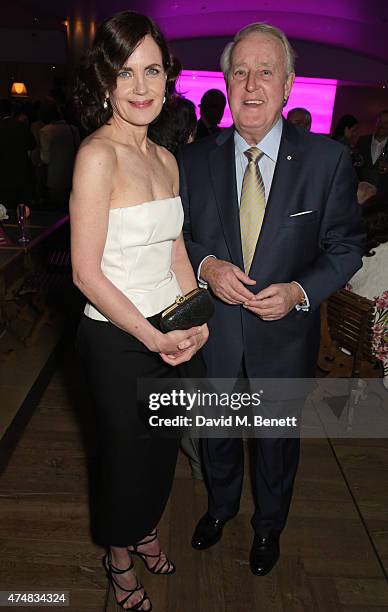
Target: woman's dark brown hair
[(115, 40), (175, 124)]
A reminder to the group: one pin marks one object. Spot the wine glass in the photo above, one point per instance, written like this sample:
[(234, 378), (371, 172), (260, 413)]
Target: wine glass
[(383, 162), (21, 213)]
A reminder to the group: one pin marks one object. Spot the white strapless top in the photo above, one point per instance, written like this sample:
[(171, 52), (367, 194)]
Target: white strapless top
[(137, 254)]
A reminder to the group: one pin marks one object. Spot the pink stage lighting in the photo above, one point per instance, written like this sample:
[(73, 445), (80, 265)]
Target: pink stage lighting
[(317, 95)]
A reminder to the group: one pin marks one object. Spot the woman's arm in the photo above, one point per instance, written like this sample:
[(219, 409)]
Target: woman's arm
[(89, 211), (181, 266), (180, 262)]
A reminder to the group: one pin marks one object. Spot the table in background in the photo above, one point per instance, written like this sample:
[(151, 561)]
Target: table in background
[(17, 260)]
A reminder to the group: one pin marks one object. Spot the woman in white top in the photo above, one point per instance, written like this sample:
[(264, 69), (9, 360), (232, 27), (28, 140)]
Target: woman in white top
[(371, 281), (130, 261)]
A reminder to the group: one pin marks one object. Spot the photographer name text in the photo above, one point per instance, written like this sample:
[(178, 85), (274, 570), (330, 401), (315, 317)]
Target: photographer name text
[(228, 421)]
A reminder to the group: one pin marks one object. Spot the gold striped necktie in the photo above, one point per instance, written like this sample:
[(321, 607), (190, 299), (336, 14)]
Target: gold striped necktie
[(252, 206)]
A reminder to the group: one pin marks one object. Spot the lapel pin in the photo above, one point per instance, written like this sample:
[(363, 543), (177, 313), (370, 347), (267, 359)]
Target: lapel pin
[(289, 157)]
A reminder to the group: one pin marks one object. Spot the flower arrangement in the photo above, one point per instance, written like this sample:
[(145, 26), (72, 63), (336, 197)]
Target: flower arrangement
[(3, 213), (380, 328)]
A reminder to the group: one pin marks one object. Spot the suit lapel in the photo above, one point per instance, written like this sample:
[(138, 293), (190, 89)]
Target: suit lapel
[(369, 160), (222, 164), (284, 179), (385, 149)]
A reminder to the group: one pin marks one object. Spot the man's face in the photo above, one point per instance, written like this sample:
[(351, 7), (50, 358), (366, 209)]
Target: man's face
[(257, 85), (212, 108), (382, 126), (298, 117)]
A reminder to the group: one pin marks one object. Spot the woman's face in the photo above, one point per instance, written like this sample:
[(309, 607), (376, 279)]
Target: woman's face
[(141, 83)]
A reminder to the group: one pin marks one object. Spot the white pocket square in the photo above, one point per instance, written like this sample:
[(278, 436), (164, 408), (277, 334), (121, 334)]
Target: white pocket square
[(305, 212)]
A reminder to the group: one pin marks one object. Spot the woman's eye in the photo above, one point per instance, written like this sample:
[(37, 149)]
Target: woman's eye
[(124, 74), (153, 71)]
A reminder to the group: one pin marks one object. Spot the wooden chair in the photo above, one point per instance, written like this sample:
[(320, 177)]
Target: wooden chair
[(42, 292), (346, 336), (346, 347)]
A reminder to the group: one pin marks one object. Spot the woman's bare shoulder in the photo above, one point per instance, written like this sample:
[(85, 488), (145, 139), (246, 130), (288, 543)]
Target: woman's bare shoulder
[(168, 160), (165, 156), (96, 150)]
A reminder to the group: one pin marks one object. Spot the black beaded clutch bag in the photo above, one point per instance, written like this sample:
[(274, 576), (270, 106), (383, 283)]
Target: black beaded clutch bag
[(194, 308)]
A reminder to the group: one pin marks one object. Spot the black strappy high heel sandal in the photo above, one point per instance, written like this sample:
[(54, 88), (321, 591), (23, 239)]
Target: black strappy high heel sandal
[(110, 570), (144, 556)]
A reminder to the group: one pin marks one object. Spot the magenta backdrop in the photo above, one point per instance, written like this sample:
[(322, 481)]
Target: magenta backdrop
[(317, 95)]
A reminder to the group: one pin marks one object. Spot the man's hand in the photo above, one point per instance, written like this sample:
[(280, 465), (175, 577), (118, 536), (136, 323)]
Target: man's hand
[(275, 301), (226, 281)]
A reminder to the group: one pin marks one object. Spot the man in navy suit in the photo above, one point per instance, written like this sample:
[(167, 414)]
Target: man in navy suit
[(266, 323)]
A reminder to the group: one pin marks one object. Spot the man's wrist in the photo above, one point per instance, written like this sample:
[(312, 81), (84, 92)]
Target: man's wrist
[(205, 267), (298, 295)]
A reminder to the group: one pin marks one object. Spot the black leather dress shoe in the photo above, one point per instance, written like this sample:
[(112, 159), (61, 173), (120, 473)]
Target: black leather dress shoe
[(207, 533), (264, 555)]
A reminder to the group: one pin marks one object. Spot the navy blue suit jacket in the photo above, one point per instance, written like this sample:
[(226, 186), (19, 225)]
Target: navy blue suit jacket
[(320, 250)]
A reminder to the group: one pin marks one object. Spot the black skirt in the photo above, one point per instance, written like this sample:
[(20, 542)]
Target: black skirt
[(135, 471)]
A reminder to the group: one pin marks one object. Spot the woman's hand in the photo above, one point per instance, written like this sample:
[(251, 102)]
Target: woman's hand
[(176, 347)]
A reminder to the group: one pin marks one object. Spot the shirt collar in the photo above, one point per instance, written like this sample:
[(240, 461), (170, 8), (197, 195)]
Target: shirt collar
[(379, 142), (269, 145)]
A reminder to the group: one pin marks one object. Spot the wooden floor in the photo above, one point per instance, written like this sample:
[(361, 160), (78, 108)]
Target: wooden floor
[(334, 551)]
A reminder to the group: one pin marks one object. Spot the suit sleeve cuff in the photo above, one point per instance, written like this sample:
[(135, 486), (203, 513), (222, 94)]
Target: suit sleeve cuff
[(305, 306)]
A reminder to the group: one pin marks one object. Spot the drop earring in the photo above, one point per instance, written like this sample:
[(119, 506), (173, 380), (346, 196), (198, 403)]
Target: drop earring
[(164, 99), (105, 103)]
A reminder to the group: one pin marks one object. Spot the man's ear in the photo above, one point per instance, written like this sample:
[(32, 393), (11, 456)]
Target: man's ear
[(288, 85)]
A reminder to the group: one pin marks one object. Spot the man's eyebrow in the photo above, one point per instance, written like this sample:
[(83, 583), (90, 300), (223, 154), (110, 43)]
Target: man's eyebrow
[(260, 64), (234, 64)]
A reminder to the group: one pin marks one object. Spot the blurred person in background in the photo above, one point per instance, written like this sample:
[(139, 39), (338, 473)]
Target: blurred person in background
[(21, 111), (212, 109), (346, 131), (36, 125), (300, 116), (40, 170), (176, 124), (59, 142), (374, 150), (16, 171)]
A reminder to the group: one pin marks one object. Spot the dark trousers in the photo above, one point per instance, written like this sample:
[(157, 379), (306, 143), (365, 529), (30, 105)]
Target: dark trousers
[(135, 467), (274, 462)]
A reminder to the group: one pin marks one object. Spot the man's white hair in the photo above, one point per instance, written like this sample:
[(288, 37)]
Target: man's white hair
[(261, 28)]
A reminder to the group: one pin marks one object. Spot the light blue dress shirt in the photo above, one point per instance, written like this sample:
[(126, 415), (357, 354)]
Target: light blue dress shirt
[(269, 145)]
